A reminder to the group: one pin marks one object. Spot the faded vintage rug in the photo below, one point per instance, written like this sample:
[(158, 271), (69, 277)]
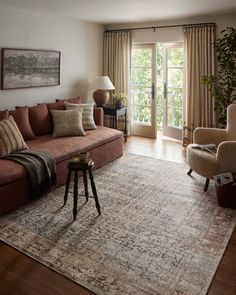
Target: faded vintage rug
[(158, 232)]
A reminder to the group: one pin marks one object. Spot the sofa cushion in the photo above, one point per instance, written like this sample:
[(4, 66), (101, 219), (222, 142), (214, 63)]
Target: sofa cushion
[(39, 119), (56, 105), (67, 123), (71, 100), (4, 114), (87, 114), (21, 117), (63, 148), (11, 139), (60, 148)]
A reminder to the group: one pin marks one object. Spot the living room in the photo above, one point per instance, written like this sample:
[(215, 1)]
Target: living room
[(120, 258)]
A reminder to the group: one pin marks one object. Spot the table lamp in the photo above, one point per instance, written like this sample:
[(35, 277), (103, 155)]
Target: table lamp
[(101, 85)]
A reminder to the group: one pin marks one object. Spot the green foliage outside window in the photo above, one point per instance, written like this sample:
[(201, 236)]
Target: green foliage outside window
[(141, 81)]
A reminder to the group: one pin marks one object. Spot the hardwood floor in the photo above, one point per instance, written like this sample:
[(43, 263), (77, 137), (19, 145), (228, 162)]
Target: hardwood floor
[(21, 275)]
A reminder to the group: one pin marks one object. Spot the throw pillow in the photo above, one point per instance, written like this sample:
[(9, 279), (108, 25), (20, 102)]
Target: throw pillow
[(39, 118), (71, 100), (21, 117), (67, 123), (4, 114), (11, 139), (87, 114), (56, 105)]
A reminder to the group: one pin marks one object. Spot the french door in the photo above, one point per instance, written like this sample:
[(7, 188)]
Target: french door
[(143, 85), (173, 90)]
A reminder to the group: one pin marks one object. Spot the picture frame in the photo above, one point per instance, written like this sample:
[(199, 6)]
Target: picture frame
[(26, 68)]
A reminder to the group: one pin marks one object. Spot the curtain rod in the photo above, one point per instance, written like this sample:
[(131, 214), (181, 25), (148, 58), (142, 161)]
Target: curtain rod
[(160, 27)]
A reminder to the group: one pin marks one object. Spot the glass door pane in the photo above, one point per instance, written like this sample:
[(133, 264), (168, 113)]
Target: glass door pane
[(173, 90), (142, 91)]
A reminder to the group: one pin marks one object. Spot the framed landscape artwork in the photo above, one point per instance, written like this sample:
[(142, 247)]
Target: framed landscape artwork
[(23, 68)]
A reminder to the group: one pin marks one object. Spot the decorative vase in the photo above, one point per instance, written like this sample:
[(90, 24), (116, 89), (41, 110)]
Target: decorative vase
[(101, 97)]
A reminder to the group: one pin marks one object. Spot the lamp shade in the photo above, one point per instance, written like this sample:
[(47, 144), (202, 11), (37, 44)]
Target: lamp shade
[(102, 83)]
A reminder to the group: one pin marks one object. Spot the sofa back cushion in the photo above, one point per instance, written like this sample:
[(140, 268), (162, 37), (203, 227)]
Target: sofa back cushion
[(39, 118), (21, 117), (11, 139), (4, 114), (59, 105), (67, 123), (71, 100), (87, 114)]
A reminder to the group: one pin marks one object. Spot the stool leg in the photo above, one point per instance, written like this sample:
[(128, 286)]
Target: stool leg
[(206, 184), (94, 190), (190, 171), (67, 187), (75, 195), (85, 185)]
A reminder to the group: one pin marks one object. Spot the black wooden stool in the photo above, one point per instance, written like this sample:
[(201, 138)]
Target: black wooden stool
[(76, 166)]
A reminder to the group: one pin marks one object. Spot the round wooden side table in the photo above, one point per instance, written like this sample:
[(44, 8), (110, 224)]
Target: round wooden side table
[(76, 166)]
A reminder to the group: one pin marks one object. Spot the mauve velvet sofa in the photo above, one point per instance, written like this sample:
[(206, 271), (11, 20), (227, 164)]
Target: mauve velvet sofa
[(104, 145)]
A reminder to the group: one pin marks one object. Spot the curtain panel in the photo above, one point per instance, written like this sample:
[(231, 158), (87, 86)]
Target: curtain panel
[(116, 64), (199, 61)]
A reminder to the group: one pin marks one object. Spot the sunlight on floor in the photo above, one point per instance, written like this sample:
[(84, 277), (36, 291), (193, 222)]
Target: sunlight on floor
[(163, 147)]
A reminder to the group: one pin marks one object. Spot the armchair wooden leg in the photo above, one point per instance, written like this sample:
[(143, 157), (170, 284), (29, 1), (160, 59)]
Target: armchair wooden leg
[(190, 171), (206, 184)]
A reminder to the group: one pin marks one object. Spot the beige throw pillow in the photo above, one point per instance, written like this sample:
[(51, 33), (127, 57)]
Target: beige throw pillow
[(87, 114), (67, 123), (11, 139)]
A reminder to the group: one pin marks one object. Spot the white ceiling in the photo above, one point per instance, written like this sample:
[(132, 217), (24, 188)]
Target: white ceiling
[(125, 11)]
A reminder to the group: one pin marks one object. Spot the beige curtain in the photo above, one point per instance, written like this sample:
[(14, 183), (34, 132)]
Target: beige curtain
[(116, 63), (199, 61), (116, 59)]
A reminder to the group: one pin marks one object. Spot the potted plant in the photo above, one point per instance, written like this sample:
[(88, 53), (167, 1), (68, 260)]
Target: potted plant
[(119, 100), (223, 84)]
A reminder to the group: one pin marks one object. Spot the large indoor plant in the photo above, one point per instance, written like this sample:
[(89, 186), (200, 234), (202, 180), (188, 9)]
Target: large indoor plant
[(223, 84)]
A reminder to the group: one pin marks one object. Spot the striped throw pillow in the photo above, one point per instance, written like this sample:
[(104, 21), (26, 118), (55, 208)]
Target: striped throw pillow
[(87, 114), (11, 139)]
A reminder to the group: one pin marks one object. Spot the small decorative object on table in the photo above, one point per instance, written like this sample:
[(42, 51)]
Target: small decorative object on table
[(226, 190), (84, 157), (119, 100)]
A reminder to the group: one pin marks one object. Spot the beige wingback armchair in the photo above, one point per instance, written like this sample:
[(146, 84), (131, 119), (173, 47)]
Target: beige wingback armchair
[(207, 164)]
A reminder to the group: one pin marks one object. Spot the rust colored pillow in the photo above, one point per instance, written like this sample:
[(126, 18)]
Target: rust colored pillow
[(71, 100), (4, 114), (56, 106), (39, 119), (21, 117)]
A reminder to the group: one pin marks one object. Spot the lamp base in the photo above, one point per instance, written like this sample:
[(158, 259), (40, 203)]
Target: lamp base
[(101, 97)]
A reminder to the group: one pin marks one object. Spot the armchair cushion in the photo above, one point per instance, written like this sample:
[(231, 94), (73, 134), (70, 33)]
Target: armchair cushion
[(202, 162)]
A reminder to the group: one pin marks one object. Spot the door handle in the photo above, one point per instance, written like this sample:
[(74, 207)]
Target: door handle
[(153, 90), (165, 91)]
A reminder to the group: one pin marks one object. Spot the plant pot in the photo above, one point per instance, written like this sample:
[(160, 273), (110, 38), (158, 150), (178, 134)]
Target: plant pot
[(118, 105)]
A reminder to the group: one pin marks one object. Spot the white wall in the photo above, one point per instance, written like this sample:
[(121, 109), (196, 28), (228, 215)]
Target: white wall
[(80, 44)]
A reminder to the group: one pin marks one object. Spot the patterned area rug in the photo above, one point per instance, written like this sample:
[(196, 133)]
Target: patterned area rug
[(158, 232)]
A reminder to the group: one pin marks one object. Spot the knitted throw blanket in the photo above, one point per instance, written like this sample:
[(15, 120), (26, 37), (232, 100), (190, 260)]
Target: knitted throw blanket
[(41, 168)]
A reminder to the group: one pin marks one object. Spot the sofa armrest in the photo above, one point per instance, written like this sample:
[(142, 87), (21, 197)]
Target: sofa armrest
[(203, 135), (98, 114), (226, 156)]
